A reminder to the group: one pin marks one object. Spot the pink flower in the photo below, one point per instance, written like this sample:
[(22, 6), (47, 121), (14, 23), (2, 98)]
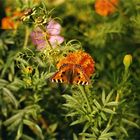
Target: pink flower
[(53, 29), (56, 39), (40, 38)]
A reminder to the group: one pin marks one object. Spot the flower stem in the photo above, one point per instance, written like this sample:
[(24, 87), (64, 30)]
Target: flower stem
[(26, 37), (120, 91), (85, 96), (114, 109)]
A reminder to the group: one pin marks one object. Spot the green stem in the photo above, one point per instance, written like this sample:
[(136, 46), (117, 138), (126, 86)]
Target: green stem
[(85, 96), (114, 109), (50, 46), (120, 91), (126, 75), (26, 37), (46, 38)]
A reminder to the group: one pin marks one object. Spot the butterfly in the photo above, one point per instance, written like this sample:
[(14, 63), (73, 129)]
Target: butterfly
[(76, 68), (71, 74)]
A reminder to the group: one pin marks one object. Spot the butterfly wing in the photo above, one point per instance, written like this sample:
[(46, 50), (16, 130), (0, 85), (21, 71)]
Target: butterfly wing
[(71, 73), (79, 77), (62, 75)]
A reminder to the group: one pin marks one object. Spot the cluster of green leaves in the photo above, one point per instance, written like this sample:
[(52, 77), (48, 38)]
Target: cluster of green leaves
[(26, 92), (103, 115)]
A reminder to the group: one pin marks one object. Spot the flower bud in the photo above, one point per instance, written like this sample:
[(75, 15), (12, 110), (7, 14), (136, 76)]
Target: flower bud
[(28, 70), (127, 60)]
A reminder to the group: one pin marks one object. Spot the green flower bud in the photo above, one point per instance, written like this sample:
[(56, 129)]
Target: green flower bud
[(127, 60)]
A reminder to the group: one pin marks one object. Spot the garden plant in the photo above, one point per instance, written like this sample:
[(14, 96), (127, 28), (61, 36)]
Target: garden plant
[(70, 70)]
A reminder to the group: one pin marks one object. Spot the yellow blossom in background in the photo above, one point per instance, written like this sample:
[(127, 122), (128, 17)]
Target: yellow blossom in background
[(55, 2), (127, 60)]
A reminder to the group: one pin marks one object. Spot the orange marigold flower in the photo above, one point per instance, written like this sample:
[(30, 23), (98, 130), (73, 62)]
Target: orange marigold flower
[(81, 58), (105, 7), (7, 23)]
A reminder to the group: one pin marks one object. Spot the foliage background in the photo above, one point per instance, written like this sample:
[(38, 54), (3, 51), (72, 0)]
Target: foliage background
[(31, 107)]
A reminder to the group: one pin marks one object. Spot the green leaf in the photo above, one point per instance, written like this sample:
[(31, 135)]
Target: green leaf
[(130, 123), (123, 130), (12, 119), (69, 105), (106, 130), (72, 114), (97, 104), (10, 60), (78, 121), (15, 85), (39, 61), (86, 126), (3, 83), (9, 94), (75, 137), (106, 135), (94, 108), (109, 96), (14, 125), (133, 115), (12, 67), (70, 98), (108, 111), (95, 130), (22, 61), (103, 97), (19, 132), (112, 104), (4, 109), (53, 127), (25, 137), (103, 116), (48, 75), (89, 135), (34, 127), (99, 121)]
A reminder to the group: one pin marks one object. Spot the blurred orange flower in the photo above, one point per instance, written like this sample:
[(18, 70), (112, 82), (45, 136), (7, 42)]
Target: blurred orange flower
[(9, 22), (105, 7)]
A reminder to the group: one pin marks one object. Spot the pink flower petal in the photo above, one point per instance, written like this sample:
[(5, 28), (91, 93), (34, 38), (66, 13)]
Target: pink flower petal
[(53, 28), (56, 40), (40, 47)]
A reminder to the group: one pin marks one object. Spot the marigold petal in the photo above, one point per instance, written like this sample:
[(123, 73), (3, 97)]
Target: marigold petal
[(7, 23), (81, 58), (105, 7)]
